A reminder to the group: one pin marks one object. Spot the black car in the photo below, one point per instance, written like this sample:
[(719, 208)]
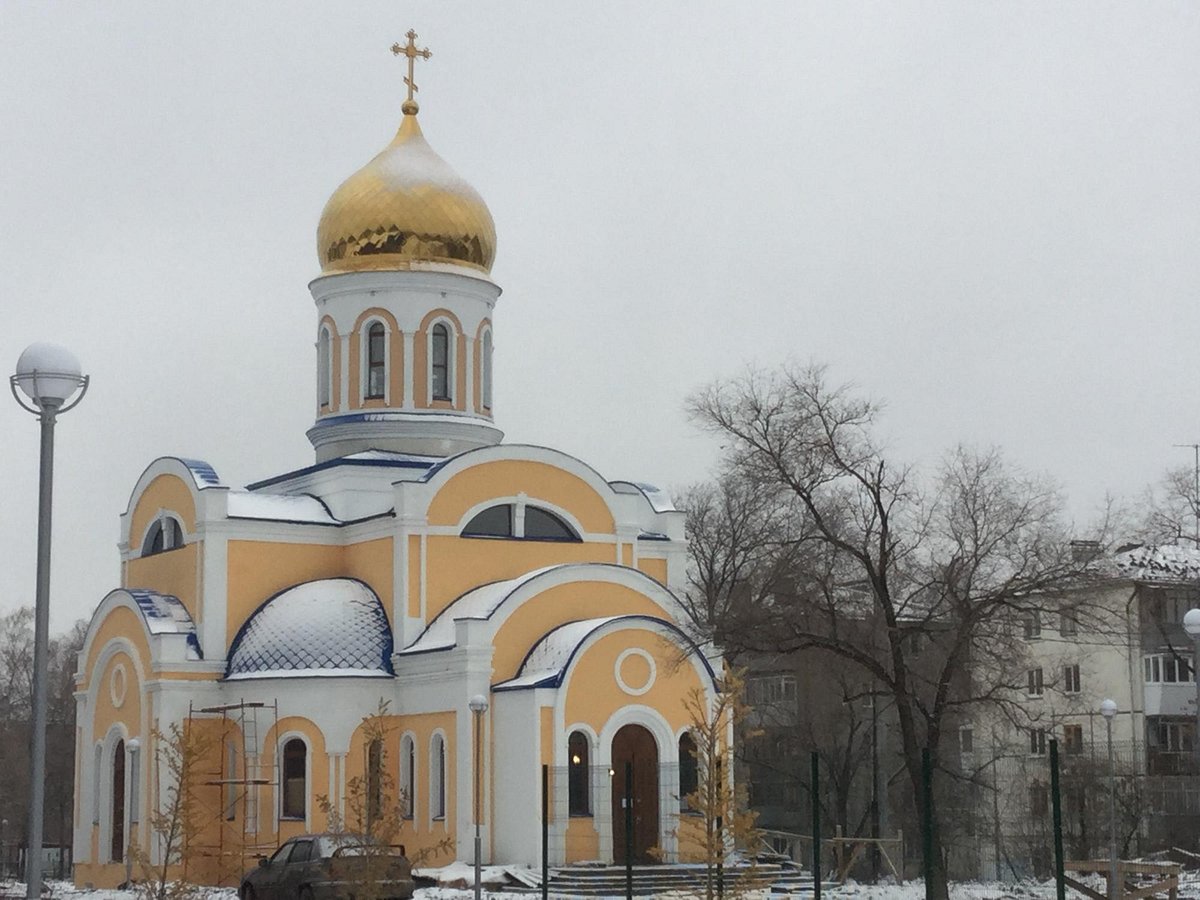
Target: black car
[(330, 867)]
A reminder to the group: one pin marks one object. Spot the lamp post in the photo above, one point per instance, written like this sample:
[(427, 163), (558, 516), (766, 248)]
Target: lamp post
[(478, 706), (1191, 624), (49, 377), (1108, 709)]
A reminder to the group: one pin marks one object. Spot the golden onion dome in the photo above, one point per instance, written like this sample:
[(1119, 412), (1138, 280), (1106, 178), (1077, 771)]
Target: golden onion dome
[(405, 207)]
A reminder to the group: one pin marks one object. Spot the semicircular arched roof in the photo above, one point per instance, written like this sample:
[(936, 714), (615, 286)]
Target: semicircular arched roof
[(329, 627)]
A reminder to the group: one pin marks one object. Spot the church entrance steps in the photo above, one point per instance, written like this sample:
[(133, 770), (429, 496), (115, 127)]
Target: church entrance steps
[(687, 879)]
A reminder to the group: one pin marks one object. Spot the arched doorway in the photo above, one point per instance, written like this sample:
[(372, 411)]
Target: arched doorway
[(635, 745), (117, 848)]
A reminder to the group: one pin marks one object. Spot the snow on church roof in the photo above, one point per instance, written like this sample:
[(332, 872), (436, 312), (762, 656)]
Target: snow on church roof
[(204, 474), (166, 614), (547, 661), (279, 508), (330, 627), (479, 603)]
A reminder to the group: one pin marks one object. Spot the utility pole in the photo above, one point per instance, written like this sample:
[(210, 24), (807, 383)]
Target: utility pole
[(1194, 500)]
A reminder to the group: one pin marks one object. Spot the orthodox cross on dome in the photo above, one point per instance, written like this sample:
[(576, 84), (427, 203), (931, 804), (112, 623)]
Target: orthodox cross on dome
[(411, 51)]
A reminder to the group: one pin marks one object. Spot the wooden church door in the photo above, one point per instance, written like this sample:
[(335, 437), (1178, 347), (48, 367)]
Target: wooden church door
[(634, 744)]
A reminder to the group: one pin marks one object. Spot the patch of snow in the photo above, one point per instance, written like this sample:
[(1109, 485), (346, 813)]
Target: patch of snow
[(279, 508), (1161, 563)]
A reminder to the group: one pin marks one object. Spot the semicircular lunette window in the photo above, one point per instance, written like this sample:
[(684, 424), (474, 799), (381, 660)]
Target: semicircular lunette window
[(527, 523), (165, 534)]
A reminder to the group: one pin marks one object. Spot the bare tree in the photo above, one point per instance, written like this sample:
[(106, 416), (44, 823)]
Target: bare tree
[(880, 554), (1171, 510)]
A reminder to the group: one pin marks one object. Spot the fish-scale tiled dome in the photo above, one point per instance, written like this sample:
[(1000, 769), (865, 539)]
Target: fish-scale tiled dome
[(335, 626)]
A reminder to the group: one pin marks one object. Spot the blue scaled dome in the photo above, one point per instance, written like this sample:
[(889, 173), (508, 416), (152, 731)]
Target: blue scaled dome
[(335, 626)]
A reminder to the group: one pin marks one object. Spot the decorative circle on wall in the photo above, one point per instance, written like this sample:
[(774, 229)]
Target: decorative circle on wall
[(118, 684), (635, 671)]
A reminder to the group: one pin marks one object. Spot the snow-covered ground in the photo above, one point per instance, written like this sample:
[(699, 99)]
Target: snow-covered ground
[(461, 876)]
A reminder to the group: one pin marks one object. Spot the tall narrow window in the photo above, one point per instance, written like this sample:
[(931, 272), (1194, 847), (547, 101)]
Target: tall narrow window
[(374, 782), (117, 842), (486, 378), (578, 775), (324, 367), (295, 791), (408, 779), (437, 765), (376, 362), (689, 778), (440, 351)]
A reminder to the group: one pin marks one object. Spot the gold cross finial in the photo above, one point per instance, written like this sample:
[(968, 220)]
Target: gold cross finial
[(410, 51)]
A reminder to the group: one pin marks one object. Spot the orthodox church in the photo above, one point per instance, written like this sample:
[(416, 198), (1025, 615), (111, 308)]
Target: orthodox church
[(418, 565)]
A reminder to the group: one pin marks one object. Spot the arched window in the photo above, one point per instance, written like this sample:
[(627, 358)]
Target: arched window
[(374, 782), (689, 779), (437, 770), (578, 775), (295, 773), (376, 362), (408, 776), (117, 842), (324, 368), (165, 534), (530, 523), (486, 377), (440, 362)]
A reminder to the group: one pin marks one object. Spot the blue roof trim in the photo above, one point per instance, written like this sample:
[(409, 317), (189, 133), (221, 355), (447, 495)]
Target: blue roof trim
[(203, 472), (555, 681), (341, 461), (165, 608)]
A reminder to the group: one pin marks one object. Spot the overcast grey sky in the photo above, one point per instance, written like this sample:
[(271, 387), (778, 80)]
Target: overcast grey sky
[(986, 214)]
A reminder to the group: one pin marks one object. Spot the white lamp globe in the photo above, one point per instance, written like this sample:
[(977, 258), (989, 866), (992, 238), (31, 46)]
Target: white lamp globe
[(1191, 622), (1108, 708), (478, 703), (48, 374)]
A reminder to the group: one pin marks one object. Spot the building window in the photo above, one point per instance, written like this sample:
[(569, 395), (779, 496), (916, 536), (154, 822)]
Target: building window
[(1068, 625), (376, 362), (1166, 668), (1071, 679), (1073, 738), (529, 523), (117, 842), (763, 690), (1174, 737), (486, 377), (1033, 625), (689, 772), (324, 367), (1039, 799), (579, 800), (408, 777), (1037, 742), (1035, 685), (165, 534), (295, 791), (437, 768), (439, 348), (966, 740)]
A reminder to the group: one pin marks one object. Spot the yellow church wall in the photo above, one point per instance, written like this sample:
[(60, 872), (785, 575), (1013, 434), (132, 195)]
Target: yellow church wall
[(120, 622), (372, 562), (260, 569), (455, 565), (414, 576), (509, 477), (171, 572), (594, 696), (417, 835), (655, 568), (167, 492), (108, 713), (557, 606)]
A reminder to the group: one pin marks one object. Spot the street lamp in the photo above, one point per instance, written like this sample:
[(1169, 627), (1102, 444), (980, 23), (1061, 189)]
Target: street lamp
[(478, 706), (1108, 709), (1191, 624), (49, 377)]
